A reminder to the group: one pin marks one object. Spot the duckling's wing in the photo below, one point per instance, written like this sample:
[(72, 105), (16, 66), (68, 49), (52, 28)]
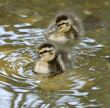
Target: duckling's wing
[(55, 67), (77, 25), (64, 58)]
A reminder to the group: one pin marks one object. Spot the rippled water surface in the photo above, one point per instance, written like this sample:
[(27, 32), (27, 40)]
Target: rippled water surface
[(22, 29)]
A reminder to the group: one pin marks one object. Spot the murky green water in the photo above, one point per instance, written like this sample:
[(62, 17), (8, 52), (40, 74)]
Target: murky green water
[(22, 29)]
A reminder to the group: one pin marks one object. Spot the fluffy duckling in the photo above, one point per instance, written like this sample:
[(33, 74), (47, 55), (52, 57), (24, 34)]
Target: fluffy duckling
[(50, 59), (64, 27)]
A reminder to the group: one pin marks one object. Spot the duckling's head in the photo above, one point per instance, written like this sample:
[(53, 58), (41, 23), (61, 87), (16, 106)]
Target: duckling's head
[(46, 52), (62, 24)]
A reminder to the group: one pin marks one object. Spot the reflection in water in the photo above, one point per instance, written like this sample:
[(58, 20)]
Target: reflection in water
[(22, 29), (5, 97)]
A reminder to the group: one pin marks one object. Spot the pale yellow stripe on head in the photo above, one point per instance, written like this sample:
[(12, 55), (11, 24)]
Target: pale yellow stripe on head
[(64, 21), (46, 48)]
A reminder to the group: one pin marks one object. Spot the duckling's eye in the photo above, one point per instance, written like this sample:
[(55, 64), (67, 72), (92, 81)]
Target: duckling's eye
[(63, 24), (45, 51), (50, 50)]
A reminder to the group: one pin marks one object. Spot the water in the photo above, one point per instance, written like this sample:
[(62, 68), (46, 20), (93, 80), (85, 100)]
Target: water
[(22, 30)]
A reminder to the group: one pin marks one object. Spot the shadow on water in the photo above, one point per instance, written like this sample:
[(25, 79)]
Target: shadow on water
[(22, 30)]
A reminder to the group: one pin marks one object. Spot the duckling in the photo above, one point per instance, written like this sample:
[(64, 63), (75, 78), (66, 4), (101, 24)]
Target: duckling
[(64, 27), (50, 59)]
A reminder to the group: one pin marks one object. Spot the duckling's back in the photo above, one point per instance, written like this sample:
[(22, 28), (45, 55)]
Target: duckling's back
[(61, 62)]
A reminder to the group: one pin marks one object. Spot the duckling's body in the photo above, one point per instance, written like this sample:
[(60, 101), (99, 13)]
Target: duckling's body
[(52, 59), (64, 27)]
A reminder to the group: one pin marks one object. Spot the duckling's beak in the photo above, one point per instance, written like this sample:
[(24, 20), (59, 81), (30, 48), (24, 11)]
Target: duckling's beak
[(53, 29), (36, 56)]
